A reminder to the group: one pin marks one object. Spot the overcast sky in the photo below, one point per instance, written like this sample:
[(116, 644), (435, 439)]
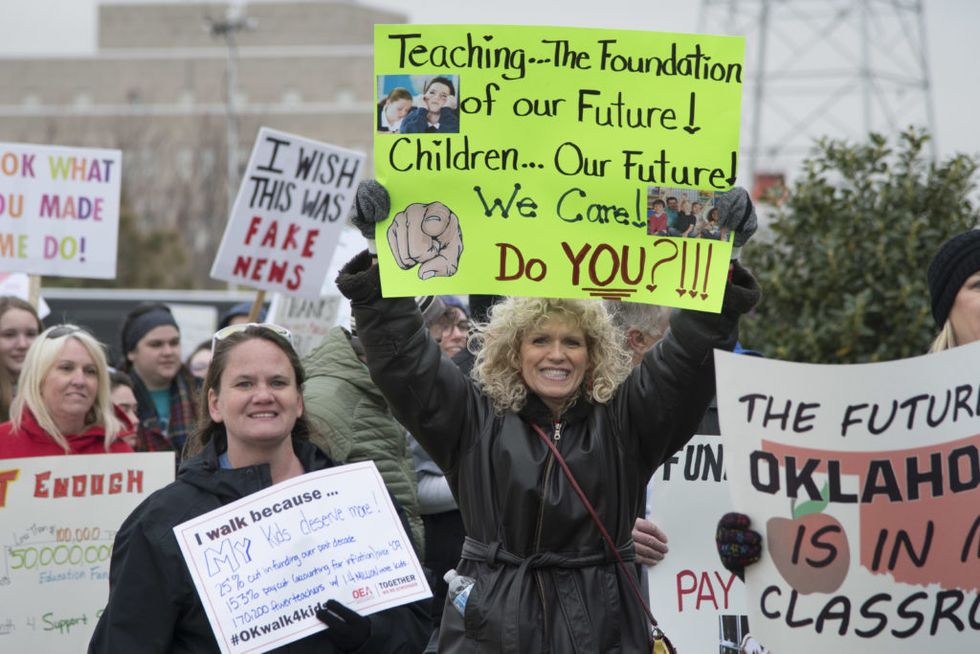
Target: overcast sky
[(30, 27)]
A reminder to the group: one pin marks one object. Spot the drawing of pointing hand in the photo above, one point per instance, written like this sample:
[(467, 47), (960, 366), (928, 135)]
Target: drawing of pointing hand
[(427, 235)]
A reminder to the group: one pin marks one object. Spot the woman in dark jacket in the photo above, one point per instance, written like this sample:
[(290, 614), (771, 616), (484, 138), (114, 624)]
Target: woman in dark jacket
[(254, 435), (545, 581)]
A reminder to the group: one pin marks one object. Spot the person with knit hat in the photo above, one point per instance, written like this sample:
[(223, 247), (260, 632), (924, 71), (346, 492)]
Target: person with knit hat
[(954, 289), (166, 392)]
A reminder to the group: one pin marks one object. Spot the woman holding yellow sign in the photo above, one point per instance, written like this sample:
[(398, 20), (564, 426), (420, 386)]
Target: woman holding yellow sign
[(547, 450)]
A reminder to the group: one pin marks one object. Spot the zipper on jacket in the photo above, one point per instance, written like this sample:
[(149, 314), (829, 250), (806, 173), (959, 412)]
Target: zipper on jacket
[(547, 478), (537, 536)]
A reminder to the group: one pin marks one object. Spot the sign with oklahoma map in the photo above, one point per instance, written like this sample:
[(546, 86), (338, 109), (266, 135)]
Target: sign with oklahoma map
[(864, 481)]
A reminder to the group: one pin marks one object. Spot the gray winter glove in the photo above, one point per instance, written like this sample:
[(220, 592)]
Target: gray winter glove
[(371, 205), (737, 216)]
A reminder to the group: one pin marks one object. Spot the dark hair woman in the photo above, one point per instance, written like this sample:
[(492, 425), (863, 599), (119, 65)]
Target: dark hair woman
[(252, 434)]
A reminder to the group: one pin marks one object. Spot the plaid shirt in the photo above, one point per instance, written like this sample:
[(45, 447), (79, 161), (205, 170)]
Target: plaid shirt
[(151, 436)]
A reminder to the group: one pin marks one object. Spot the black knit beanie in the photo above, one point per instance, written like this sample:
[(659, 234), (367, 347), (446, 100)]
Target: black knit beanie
[(956, 260)]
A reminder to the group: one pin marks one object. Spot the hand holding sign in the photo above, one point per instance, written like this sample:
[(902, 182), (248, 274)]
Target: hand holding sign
[(273, 560), (737, 215), (371, 206), (348, 629), (738, 546)]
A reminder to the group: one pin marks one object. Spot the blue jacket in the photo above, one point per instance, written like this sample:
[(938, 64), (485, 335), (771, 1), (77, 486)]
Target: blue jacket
[(416, 121)]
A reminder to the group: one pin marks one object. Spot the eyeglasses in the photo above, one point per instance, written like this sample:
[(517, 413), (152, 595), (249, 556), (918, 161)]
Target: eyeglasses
[(225, 332), (63, 330)]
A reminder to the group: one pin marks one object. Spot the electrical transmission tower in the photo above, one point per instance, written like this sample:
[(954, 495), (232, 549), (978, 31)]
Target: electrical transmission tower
[(823, 68)]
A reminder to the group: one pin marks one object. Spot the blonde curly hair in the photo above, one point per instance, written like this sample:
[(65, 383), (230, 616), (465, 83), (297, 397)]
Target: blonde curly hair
[(497, 368)]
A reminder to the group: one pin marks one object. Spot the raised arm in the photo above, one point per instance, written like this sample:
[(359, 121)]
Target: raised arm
[(426, 391)]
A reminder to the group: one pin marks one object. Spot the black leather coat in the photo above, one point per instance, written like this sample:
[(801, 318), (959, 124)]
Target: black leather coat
[(153, 605), (545, 581)]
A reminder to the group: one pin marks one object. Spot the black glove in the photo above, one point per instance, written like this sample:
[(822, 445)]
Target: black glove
[(738, 546), (737, 215), (742, 292), (371, 205), (348, 629)]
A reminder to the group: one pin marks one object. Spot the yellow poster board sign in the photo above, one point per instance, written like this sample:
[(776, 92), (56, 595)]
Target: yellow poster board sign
[(554, 161)]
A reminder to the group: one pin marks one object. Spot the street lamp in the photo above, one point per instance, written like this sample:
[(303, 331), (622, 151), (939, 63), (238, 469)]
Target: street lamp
[(234, 22)]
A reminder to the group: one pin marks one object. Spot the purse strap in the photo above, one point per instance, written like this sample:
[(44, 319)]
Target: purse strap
[(658, 632)]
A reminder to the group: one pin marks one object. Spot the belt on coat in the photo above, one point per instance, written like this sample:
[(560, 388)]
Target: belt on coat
[(572, 605)]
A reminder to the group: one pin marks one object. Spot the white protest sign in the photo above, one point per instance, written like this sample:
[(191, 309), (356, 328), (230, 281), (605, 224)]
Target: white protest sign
[(59, 210), (307, 320), (310, 320), (196, 324), (864, 481), (60, 515), (290, 209), (700, 604), (262, 565), (18, 285)]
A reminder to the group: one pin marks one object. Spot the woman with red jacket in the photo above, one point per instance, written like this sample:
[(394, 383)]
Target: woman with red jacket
[(63, 403)]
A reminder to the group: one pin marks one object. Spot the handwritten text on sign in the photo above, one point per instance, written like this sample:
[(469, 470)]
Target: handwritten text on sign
[(264, 564), (689, 589), (865, 482), (524, 164), (59, 210), (288, 214), (60, 515)]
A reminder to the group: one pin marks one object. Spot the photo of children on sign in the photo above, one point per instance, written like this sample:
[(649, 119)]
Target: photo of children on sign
[(418, 104), (683, 212)]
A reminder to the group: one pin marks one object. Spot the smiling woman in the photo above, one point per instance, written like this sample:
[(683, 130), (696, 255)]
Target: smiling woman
[(253, 434), (552, 396), (64, 404)]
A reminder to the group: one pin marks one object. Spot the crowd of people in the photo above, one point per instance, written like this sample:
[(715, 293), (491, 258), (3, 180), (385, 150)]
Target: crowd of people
[(516, 437)]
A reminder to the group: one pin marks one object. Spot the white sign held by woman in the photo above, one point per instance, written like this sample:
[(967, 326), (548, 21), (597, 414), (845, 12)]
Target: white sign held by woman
[(264, 564), (60, 515)]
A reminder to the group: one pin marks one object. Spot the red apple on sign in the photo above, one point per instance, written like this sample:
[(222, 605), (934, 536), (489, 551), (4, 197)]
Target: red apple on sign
[(810, 550)]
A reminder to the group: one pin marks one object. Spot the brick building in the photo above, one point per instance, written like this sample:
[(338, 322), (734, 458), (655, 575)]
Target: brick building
[(156, 88)]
